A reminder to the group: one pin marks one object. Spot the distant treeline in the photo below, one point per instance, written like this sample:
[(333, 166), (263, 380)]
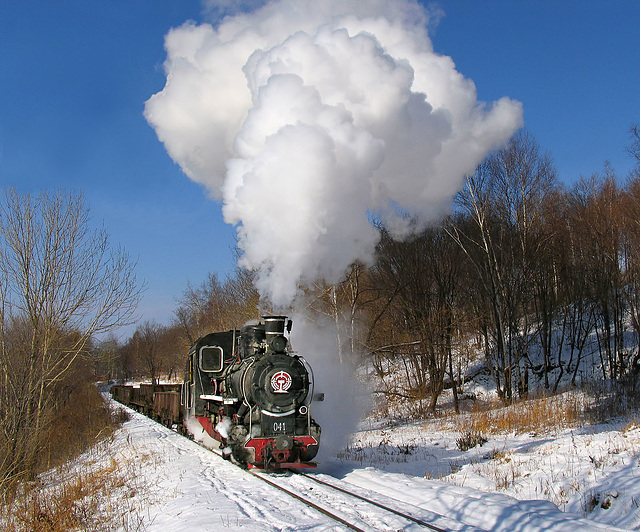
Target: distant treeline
[(522, 278)]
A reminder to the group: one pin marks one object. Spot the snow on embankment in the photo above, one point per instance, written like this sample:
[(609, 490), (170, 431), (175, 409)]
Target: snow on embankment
[(189, 488)]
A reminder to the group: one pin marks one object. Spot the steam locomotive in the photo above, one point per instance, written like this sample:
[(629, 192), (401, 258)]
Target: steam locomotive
[(249, 391)]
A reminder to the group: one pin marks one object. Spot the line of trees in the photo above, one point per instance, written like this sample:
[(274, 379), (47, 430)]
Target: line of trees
[(524, 280), (526, 272), (157, 351), (61, 283)]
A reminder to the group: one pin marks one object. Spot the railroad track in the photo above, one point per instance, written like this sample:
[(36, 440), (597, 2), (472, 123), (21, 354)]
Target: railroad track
[(354, 510)]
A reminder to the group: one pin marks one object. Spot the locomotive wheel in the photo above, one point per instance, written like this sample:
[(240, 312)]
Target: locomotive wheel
[(240, 455)]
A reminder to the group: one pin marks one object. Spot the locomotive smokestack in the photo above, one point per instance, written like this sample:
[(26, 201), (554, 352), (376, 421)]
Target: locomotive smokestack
[(274, 326), (274, 331)]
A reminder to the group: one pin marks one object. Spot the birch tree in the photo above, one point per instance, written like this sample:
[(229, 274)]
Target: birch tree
[(504, 201)]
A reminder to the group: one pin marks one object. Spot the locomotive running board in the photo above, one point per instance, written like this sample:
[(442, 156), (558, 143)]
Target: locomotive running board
[(219, 398)]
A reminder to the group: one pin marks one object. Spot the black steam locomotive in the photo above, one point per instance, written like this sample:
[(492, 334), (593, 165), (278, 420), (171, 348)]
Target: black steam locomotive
[(250, 392)]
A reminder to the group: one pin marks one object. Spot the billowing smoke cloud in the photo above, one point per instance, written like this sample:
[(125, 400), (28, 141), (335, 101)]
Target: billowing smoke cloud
[(307, 117)]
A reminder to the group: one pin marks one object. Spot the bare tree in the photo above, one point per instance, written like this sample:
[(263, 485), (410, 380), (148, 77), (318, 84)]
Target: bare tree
[(347, 305), (146, 347), (216, 305), (598, 221), (202, 309), (421, 276), (524, 180), (478, 234), (106, 358), (634, 148), (502, 236), (61, 283)]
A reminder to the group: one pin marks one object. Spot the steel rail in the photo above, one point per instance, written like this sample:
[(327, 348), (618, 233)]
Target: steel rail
[(307, 502), (374, 503)]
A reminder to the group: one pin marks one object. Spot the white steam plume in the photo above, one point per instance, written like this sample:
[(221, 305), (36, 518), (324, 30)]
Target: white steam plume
[(305, 117), (345, 398)]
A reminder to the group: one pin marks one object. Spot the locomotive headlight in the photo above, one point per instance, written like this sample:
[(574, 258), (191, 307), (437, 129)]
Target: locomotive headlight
[(303, 410), (279, 344)]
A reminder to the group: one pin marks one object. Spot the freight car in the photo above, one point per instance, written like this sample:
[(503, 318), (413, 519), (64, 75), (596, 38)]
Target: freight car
[(158, 401), (167, 409), (121, 393)]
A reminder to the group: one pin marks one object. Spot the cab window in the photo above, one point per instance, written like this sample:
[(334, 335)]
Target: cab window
[(211, 358)]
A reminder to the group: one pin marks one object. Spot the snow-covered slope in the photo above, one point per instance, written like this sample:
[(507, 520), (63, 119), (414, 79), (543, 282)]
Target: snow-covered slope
[(180, 486), (593, 471)]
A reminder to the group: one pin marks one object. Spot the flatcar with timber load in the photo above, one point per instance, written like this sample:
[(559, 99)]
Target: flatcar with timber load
[(253, 394)]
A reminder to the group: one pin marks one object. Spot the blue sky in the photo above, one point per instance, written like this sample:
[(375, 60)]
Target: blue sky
[(74, 76)]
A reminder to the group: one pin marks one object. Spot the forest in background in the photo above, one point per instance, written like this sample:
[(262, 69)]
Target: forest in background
[(520, 279)]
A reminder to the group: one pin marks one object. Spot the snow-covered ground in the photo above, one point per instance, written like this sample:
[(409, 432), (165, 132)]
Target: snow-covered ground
[(593, 472), (505, 484)]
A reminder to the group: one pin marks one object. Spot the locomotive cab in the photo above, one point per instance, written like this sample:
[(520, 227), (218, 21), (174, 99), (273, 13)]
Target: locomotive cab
[(208, 358)]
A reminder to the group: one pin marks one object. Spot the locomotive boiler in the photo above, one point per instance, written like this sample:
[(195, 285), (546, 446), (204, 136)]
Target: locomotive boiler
[(252, 393)]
